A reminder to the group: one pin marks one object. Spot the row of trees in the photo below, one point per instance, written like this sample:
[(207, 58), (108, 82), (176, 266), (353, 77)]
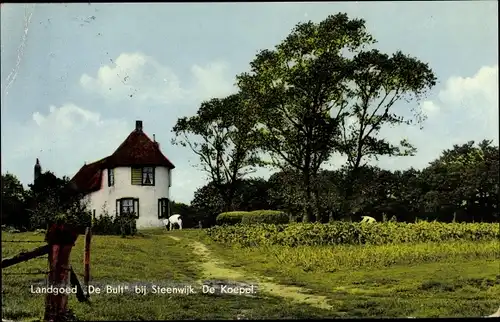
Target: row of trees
[(324, 90)]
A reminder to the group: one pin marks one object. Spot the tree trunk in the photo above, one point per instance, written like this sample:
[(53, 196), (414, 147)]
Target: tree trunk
[(308, 211), (227, 195), (331, 217), (351, 179), (345, 207), (321, 214)]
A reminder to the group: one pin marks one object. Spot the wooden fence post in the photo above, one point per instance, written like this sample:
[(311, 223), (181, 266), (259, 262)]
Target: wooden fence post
[(61, 240), (86, 258)]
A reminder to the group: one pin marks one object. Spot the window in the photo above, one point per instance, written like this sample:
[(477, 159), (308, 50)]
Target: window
[(148, 176), (127, 206), (111, 177), (163, 208), (143, 176)]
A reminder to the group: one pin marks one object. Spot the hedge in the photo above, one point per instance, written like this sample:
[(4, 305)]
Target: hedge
[(230, 218), (265, 217)]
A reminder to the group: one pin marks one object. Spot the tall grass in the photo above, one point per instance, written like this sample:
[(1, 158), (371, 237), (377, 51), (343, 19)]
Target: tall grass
[(346, 233)]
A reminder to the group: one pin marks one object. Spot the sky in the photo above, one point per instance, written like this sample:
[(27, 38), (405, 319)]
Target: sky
[(76, 77)]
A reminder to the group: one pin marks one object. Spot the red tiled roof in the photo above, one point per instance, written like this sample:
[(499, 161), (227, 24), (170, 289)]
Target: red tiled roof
[(137, 150)]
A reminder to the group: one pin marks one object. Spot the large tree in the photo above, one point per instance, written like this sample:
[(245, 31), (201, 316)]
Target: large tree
[(220, 134), (297, 91), (377, 82), (320, 78)]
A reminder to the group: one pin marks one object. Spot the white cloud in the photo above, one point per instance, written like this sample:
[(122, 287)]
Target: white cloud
[(140, 77), (430, 108), (212, 80), (466, 108), (63, 138), (135, 75), (480, 88)]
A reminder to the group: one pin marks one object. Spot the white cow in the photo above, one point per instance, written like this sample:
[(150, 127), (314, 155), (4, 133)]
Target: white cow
[(173, 220), (368, 219)]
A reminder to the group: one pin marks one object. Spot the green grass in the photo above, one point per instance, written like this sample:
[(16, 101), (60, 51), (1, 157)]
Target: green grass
[(453, 279), (153, 258)]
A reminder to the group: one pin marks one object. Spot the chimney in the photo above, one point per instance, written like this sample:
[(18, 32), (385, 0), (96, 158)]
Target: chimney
[(138, 126), (156, 143)]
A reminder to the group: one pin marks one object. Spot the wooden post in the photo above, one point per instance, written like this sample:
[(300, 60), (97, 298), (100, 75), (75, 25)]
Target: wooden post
[(61, 240), (86, 258)]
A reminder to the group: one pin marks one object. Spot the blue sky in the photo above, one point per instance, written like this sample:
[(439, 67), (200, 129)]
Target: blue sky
[(75, 77)]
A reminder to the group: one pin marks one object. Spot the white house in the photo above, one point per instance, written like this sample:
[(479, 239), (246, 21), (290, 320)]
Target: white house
[(136, 178)]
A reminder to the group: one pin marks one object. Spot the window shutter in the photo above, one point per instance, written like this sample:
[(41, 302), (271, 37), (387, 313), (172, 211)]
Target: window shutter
[(159, 209), (136, 207), (117, 207), (168, 208), (136, 176)]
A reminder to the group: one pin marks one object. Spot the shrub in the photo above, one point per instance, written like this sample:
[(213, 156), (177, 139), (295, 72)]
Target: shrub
[(104, 225), (265, 217), (230, 218), (124, 225), (348, 233)]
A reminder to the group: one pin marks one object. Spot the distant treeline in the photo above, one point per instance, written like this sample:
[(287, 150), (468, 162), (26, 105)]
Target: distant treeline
[(461, 185)]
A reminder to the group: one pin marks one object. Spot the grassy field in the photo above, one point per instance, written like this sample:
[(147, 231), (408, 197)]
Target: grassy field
[(452, 279)]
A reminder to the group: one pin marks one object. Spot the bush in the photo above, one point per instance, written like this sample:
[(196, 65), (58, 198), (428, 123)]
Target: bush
[(115, 225), (230, 218), (348, 233), (265, 217)]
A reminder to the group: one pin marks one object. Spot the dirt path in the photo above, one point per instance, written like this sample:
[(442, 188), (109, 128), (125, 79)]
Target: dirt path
[(214, 270)]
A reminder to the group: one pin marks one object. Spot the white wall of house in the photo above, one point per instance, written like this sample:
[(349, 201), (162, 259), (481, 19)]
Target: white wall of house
[(105, 198)]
